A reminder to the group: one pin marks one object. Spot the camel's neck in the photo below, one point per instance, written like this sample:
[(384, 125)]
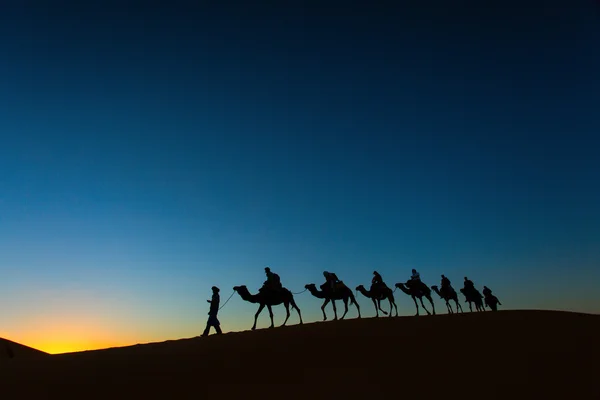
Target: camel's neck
[(317, 293), (437, 291), (246, 296), (364, 292), (404, 289)]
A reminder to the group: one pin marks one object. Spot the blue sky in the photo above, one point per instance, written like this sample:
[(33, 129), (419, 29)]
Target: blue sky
[(148, 154)]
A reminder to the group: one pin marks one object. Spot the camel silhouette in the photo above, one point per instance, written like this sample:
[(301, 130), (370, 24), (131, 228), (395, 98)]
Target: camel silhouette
[(449, 294), (269, 299), (377, 295), (417, 292), (342, 293), (473, 298), (492, 302)]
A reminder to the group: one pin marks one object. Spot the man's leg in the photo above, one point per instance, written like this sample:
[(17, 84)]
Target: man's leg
[(207, 329)]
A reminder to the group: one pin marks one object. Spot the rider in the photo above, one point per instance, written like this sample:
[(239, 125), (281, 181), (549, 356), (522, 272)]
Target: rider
[(416, 278), (273, 281), (445, 283), (468, 285), (486, 291), (377, 280), (331, 279)]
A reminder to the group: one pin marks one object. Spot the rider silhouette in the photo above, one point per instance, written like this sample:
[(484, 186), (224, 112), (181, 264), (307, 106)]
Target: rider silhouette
[(273, 281), (445, 284), (469, 287), (331, 280), (377, 281), (486, 291)]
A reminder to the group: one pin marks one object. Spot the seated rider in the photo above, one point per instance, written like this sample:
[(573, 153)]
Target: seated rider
[(468, 285), (273, 281), (377, 281), (486, 291), (416, 279), (445, 283), (331, 279)]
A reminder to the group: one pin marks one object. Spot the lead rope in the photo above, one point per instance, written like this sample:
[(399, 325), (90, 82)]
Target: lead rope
[(301, 291), (226, 301)]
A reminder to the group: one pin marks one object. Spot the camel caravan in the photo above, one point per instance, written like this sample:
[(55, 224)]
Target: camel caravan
[(272, 293)]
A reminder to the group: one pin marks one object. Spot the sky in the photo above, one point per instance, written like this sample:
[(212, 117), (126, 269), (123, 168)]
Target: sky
[(148, 153)]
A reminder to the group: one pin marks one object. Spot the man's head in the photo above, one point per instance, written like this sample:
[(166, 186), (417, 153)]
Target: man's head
[(267, 270), (443, 276), (466, 279), (325, 273), (485, 287), (414, 270), (215, 289)]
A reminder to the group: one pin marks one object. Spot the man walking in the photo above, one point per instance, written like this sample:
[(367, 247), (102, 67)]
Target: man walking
[(212, 313)]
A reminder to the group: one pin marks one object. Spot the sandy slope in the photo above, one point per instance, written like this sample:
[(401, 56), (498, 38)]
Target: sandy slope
[(12, 350), (508, 354)]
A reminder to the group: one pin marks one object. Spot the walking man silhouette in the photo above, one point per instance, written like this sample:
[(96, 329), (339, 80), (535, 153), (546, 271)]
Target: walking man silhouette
[(212, 313)]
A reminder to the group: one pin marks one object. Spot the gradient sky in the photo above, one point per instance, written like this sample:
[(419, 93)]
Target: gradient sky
[(147, 154)]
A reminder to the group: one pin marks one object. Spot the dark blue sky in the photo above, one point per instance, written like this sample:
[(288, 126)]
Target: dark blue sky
[(154, 152)]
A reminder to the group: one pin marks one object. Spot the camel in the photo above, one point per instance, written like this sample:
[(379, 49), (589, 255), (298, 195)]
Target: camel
[(376, 296), (474, 297), (343, 293), (449, 294), (492, 302), (417, 292), (269, 299)]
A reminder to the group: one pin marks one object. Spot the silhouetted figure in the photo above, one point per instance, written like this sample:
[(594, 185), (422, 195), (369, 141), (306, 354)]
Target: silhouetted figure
[(490, 300), (273, 281), (269, 298), (212, 313), (377, 282), (486, 291), (472, 295), (331, 280), (445, 282), (417, 290), (342, 293), (448, 294), (468, 285), (379, 291)]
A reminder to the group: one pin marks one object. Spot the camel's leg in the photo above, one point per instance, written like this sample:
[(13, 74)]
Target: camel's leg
[(392, 305), (470, 307), (423, 305), (458, 306), (353, 301), (381, 309), (449, 308), (286, 304), (295, 306), (345, 300), (432, 304), (260, 308), (334, 310), (323, 309), (375, 304), (271, 315), (416, 305)]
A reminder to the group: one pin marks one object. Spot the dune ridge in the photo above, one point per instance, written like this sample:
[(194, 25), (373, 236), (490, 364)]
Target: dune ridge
[(515, 354)]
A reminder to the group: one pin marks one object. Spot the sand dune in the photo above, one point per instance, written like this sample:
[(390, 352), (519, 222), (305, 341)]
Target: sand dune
[(12, 350), (508, 354)]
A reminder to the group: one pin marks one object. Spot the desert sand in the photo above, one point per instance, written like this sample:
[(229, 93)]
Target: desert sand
[(501, 355)]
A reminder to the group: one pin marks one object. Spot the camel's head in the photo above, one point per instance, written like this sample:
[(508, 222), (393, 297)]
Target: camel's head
[(399, 285), (310, 286), (360, 287), (434, 287), (238, 288)]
